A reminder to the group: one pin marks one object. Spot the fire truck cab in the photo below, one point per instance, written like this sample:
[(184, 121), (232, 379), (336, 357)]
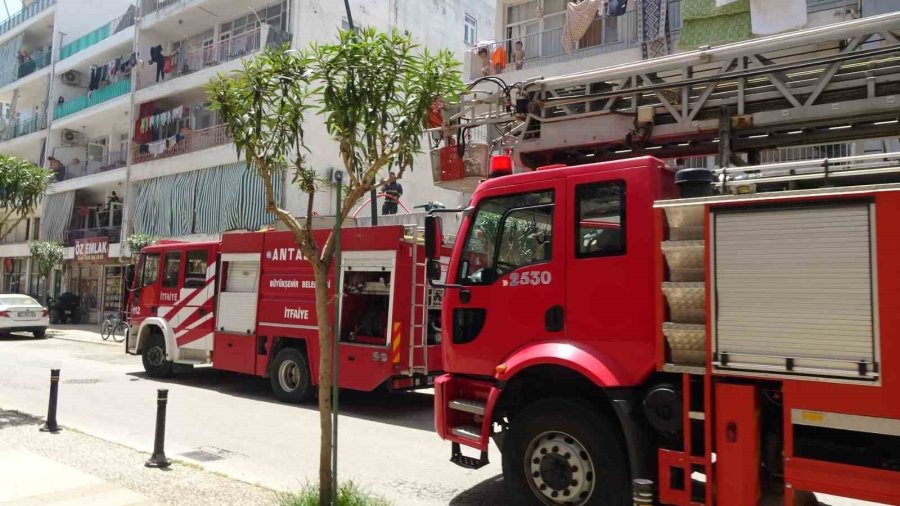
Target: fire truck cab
[(247, 304), (611, 332)]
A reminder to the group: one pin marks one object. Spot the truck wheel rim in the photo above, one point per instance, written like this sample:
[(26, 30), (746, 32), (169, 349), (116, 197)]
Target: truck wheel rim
[(559, 469), (155, 356), (289, 376)]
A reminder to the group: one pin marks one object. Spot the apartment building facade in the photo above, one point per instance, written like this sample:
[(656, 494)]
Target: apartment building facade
[(111, 99)]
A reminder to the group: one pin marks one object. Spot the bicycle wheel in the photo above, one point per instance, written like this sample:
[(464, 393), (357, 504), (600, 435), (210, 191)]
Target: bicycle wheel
[(106, 329), (118, 333)]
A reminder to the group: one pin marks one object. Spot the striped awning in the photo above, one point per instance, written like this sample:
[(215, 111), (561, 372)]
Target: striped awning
[(56, 214), (208, 201)]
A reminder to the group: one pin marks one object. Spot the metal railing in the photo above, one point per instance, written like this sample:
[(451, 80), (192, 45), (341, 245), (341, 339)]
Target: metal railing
[(34, 62), (192, 59), (79, 168), (78, 104), (25, 14), (114, 234), (24, 127), (150, 6), (98, 35), (189, 142), (604, 35)]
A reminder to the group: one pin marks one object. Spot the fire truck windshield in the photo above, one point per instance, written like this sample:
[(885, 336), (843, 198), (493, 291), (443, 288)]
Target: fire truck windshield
[(507, 232)]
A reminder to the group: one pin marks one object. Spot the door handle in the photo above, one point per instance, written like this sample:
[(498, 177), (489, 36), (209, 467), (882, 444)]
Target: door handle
[(465, 296), (554, 319)]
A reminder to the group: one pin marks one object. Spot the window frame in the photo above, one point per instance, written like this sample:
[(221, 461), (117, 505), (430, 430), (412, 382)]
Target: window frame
[(165, 269), (470, 23), (143, 280), (201, 277), (623, 215), (501, 228)]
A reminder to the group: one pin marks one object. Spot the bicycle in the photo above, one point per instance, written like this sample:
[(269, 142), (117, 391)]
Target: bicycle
[(114, 326)]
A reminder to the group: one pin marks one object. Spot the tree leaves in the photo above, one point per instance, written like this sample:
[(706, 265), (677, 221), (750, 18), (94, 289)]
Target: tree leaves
[(22, 184), (46, 255)]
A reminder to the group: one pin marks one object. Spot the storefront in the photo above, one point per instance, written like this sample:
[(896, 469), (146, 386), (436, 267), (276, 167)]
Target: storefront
[(14, 275), (96, 278)]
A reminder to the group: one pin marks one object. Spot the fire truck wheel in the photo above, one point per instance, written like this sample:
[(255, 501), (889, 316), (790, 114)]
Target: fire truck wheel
[(154, 357), (565, 451), (290, 377)]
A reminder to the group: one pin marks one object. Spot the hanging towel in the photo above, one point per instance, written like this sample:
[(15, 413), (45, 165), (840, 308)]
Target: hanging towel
[(768, 17), (578, 19), (617, 7), (705, 24), (653, 27)]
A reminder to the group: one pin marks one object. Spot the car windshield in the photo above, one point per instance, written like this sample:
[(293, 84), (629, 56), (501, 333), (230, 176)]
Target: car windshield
[(17, 300)]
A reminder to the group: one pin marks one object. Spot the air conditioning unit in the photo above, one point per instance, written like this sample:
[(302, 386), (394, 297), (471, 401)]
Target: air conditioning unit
[(71, 77), (72, 137)]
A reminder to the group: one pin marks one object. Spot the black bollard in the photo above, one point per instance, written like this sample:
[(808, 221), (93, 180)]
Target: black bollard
[(51, 426), (158, 459)]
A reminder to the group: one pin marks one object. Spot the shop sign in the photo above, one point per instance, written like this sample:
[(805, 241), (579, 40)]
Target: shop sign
[(92, 249)]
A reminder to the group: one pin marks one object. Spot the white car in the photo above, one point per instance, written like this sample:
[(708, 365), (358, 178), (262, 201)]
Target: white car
[(21, 313)]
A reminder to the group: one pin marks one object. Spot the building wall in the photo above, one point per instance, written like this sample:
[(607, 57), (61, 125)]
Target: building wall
[(75, 18)]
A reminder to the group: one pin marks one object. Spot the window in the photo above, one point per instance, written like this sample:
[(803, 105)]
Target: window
[(240, 277), (600, 219), (150, 269), (506, 233), (171, 270), (195, 269), (470, 35)]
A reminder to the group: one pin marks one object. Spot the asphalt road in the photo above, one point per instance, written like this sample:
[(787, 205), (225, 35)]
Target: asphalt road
[(387, 442)]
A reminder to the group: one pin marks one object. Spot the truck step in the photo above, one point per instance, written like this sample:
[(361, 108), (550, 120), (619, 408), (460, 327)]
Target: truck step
[(472, 432), (468, 405), (461, 460)]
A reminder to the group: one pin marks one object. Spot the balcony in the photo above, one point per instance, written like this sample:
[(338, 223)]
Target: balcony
[(149, 6), (32, 63), (25, 14), (77, 168), (191, 141), (79, 104), (96, 221), (194, 59), (100, 34), (24, 127)]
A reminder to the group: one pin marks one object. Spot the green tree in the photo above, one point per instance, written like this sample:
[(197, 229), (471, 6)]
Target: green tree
[(374, 91), (22, 184), (46, 255), (137, 241)]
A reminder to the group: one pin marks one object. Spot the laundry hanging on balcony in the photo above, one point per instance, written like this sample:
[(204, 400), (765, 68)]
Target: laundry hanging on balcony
[(705, 24), (768, 17), (616, 8), (56, 213), (579, 17), (653, 25)]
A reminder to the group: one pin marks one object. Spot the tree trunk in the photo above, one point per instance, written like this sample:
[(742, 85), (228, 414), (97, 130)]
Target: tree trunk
[(326, 342)]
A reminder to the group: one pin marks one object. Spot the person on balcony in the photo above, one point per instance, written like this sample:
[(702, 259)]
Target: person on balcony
[(394, 191), (485, 61), (518, 55)]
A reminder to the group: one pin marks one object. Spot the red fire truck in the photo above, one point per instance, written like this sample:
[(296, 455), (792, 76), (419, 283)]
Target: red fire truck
[(247, 304), (731, 339)]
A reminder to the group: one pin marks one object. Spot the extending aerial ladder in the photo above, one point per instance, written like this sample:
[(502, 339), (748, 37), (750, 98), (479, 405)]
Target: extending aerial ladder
[(828, 84)]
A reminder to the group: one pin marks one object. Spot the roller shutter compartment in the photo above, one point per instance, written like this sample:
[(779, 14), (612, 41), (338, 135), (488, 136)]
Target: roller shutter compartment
[(794, 290)]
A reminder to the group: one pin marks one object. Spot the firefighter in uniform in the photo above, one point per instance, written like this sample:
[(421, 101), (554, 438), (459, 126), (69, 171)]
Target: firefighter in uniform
[(393, 190)]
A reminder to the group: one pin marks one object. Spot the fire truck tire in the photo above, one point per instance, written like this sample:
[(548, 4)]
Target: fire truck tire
[(290, 377), (565, 451), (154, 357)]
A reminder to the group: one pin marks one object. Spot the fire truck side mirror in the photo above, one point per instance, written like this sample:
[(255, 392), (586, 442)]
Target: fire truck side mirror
[(433, 270), (433, 237)]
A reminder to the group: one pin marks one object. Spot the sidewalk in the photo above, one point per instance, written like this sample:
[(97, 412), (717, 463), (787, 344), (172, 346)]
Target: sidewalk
[(85, 332), (71, 468)]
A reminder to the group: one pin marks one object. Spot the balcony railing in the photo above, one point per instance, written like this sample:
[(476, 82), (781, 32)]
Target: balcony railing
[(25, 14), (34, 62), (149, 6), (114, 234), (25, 127), (192, 59), (96, 221), (78, 104), (110, 161), (188, 143), (100, 34)]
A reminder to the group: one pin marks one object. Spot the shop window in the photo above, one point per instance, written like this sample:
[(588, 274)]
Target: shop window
[(600, 219), (172, 269), (195, 269)]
